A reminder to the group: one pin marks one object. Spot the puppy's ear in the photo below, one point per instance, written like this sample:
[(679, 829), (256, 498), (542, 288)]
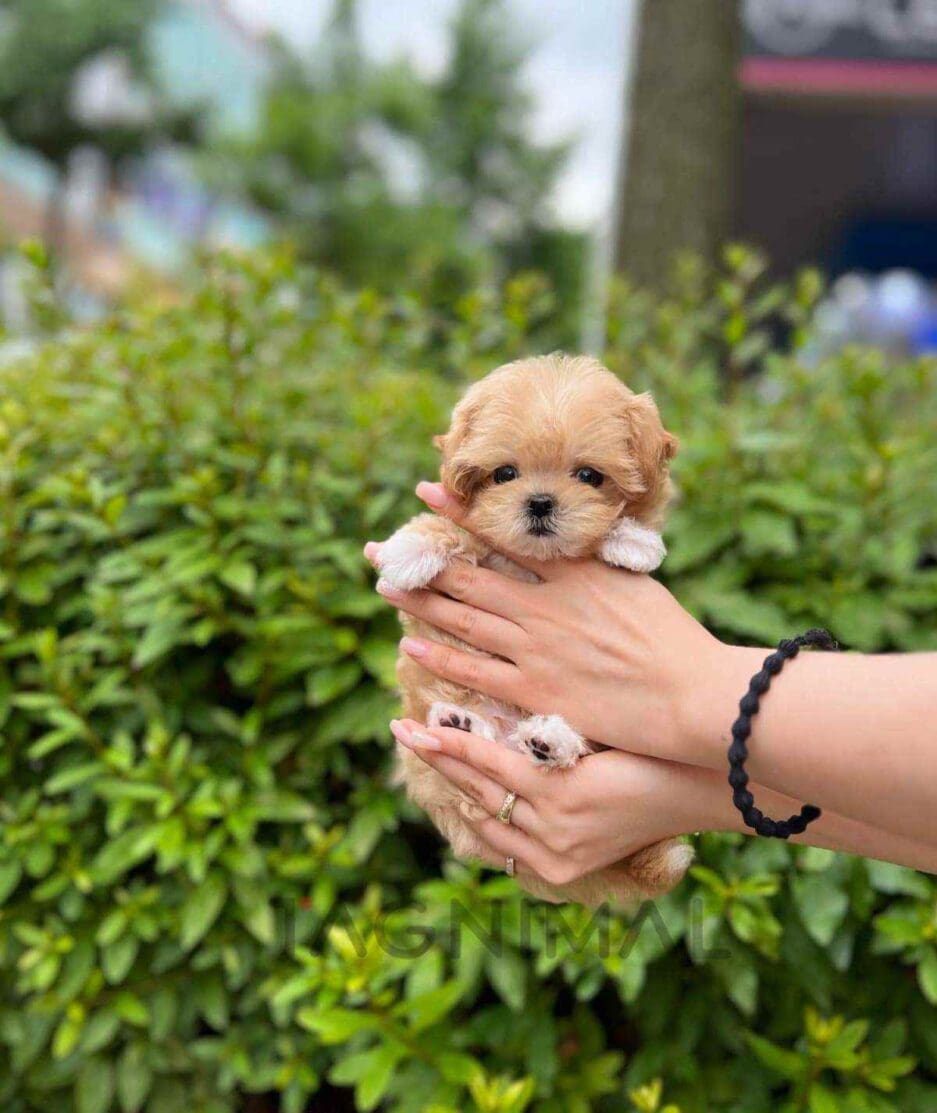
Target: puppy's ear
[(457, 471), (649, 448)]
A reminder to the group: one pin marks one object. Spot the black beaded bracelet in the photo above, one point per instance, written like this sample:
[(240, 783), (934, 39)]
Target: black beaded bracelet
[(742, 728)]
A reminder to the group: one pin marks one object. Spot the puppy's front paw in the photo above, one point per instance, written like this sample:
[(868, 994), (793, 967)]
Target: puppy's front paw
[(410, 560), (548, 740), (451, 715), (633, 546)]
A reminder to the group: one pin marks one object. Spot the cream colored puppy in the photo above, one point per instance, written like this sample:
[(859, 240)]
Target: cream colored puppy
[(553, 457)]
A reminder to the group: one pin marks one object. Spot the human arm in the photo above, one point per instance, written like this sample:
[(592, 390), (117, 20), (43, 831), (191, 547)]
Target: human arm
[(618, 657), (567, 823)]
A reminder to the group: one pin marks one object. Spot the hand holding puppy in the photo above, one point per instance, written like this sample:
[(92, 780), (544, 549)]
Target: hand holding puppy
[(554, 459)]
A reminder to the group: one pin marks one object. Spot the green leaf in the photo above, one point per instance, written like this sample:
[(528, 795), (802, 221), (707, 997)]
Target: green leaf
[(788, 1064), (201, 909), (508, 974), (428, 1008), (330, 681), (764, 532), (744, 614), (130, 1008), (889, 878), (163, 1007), (823, 1100), (335, 1025), (118, 957), (162, 636), (99, 1030), (379, 657), (34, 585), (822, 906), (94, 1087), (73, 777), (240, 576), (742, 988), (927, 975), (373, 1084), (350, 1069), (124, 852), (10, 874), (691, 548)]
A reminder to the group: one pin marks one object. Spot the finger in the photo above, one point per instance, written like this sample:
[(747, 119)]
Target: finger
[(488, 793), (499, 679), (510, 842), (488, 590), (478, 628), (507, 768), (483, 588), (443, 502), (496, 861)]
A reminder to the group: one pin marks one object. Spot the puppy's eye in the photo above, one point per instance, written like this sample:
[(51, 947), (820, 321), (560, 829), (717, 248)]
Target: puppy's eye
[(504, 474), (591, 476)]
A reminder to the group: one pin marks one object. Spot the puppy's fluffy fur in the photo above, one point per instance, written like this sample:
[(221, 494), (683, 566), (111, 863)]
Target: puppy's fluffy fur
[(547, 419)]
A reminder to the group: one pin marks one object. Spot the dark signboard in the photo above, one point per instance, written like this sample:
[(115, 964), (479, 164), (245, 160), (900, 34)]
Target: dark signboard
[(857, 30)]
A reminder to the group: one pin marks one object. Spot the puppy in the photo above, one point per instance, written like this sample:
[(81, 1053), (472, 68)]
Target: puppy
[(553, 457)]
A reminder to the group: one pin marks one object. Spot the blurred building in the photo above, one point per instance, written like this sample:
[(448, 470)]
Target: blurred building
[(160, 209), (840, 139), (839, 152)]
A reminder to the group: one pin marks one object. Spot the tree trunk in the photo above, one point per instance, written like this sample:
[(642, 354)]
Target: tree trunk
[(677, 179)]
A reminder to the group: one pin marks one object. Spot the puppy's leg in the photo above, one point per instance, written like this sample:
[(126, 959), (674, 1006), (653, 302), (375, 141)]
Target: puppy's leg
[(633, 546), (416, 554), (548, 740), (451, 715), (658, 868)]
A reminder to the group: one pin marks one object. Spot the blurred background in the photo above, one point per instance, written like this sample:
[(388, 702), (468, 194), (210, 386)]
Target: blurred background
[(251, 251), (438, 143)]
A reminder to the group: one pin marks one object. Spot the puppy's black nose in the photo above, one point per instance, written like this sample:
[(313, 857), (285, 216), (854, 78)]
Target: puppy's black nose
[(540, 505)]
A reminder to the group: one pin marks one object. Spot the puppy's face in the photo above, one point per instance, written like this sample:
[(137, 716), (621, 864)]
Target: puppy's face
[(548, 453)]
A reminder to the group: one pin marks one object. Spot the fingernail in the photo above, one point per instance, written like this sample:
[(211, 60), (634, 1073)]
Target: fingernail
[(424, 741), (400, 732), (433, 494), (414, 647), (372, 550), (388, 590), (413, 739)]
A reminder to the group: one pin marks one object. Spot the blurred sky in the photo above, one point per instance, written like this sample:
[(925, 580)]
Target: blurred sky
[(575, 71)]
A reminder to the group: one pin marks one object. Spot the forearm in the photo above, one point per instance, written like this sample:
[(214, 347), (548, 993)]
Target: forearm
[(856, 735), (708, 807)]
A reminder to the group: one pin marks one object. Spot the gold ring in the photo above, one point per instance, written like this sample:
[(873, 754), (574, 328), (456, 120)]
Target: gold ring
[(509, 866), (507, 806)]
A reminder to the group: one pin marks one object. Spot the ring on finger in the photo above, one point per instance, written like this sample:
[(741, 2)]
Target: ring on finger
[(509, 866), (507, 807)]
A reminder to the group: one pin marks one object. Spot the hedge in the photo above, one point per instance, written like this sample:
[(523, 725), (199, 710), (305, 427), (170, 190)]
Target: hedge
[(212, 898)]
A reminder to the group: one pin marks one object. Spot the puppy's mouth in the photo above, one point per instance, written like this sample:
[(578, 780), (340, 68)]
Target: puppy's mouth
[(540, 527)]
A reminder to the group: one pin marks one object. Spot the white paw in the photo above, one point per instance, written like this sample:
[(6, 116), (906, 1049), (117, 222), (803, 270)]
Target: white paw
[(410, 560), (633, 546), (548, 740), (451, 715)]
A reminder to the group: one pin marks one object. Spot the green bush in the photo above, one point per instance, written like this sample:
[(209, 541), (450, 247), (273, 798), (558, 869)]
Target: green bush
[(208, 888)]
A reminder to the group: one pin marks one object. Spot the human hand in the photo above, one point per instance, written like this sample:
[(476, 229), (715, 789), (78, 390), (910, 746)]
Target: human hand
[(566, 823), (610, 651)]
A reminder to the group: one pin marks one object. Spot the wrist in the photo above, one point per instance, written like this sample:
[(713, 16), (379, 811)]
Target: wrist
[(701, 800), (714, 683)]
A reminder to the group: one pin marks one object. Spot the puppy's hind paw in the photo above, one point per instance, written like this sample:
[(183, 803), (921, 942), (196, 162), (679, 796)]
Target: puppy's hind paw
[(548, 740), (410, 560), (457, 718)]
